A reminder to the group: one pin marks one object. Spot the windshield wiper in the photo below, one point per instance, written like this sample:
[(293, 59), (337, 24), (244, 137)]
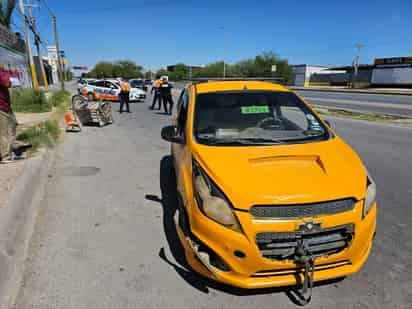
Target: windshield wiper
[(242, 141), (312, 133)]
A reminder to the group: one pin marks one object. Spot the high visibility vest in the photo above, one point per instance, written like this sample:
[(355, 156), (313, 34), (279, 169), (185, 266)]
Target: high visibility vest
[(157, 83), (125, 87)]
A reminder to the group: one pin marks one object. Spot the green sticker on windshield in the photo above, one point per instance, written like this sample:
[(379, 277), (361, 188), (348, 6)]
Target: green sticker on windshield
[(255, 109)]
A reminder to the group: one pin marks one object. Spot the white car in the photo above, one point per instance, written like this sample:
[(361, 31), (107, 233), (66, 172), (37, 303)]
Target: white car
[(109, 90), (84, 82)]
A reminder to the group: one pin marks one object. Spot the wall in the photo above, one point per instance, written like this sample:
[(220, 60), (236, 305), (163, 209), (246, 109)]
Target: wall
[(401, 76)]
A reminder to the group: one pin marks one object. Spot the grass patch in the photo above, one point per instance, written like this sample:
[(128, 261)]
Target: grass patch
[(362, 116), (45, 134), (25, 100), (59, 97)]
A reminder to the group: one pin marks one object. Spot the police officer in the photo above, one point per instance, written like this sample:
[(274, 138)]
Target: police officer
[(166, 94), (124, 96), (157, 97)]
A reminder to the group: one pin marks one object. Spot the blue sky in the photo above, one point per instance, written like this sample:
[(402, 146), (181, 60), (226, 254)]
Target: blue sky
[(160, 32)]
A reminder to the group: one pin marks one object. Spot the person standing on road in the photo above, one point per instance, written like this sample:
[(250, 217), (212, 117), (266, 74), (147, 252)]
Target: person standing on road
[(124, 96), (157, 96), (166, 94), (8, 122)]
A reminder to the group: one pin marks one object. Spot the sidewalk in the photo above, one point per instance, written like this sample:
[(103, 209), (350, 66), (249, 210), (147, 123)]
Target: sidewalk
[(10, 172), (385, 91)]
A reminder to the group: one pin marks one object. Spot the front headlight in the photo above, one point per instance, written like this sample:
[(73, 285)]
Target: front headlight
[(211, 201), (370, 197)]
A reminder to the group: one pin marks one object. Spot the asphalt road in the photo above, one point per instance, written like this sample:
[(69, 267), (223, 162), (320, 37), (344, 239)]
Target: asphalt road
[(100, 243), (384, 104)]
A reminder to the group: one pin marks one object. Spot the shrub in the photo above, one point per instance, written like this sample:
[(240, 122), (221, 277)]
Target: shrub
[(27, 100), (44, 134)]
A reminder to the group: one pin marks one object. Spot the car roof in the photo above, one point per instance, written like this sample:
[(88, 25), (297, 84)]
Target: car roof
[(238, 85)]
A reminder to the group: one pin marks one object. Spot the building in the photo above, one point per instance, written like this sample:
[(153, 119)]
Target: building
[(385, 72), (303, 73), (392, 72), (53, 61), (47, 70)]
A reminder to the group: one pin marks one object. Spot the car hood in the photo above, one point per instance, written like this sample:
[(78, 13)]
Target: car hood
[(284, 174), (137, 90)]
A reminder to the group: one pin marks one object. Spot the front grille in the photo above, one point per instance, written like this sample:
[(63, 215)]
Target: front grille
[(282, 245), (303, 210)]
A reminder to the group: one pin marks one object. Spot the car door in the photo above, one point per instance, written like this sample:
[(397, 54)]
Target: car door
[(181, 152), (111, 91), (97, 88)]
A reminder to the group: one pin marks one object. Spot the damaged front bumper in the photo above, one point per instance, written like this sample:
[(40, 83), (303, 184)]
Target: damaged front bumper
[(214, 252)]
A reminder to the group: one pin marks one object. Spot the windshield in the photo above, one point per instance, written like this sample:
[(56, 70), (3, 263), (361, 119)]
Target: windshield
[(136, 83), (255, 117)]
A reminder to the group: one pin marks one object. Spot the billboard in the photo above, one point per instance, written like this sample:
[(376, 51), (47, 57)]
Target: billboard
[(15, 64), (393, 61)]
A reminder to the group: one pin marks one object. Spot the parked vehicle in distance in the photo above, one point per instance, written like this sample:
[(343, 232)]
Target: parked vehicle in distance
[(138, 83), (264, 184), (109, 90)]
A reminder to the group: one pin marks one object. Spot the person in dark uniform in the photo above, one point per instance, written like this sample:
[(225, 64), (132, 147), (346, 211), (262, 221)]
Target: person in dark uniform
[(156, 97), (124, 96), (166, 94)]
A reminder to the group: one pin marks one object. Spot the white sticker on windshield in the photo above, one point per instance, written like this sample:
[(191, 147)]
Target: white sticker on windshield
[(310, 117)]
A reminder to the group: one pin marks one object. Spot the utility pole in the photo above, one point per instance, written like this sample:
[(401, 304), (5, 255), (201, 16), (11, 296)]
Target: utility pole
[(356, 62), (59, 60), (37, 42), (28, 46), (224, 44)]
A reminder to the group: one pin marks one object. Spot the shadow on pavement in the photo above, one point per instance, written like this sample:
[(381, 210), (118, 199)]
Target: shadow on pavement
[(169, 204)]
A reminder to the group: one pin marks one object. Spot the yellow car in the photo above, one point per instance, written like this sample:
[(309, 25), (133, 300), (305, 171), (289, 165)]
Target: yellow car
[(269, 195)]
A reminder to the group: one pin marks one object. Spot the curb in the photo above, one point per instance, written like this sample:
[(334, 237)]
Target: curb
[(17, 222), (352, 91)]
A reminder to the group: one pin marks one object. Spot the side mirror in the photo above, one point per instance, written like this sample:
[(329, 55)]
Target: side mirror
[(170, 134), (328, 123)]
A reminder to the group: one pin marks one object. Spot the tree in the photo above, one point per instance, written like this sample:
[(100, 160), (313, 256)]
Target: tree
[(69, 75), (149, 74), (260, 66), (181, 71), (127, 69), (102, 69), (211, 70), (123, 68), (6, 12), (162, 72)]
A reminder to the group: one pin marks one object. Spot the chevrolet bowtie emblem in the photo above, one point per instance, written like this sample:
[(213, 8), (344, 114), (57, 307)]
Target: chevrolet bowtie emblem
[(310, 227)]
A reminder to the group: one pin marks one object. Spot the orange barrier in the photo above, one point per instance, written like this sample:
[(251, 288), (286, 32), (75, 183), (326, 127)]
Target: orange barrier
[(71, 124)]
